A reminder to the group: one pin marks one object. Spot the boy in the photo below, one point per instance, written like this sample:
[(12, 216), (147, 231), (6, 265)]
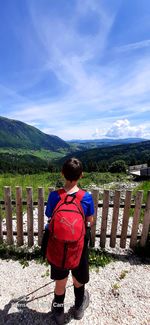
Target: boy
[(72, 171)]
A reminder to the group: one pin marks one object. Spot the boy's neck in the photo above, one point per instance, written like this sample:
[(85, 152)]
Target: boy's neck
[(71, 186)]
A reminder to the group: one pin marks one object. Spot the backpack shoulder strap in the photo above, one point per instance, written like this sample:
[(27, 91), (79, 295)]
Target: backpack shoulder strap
[(79, 195), (61, 192)]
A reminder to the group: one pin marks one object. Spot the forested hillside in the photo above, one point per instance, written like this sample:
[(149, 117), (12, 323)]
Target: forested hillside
[(25, 149), (100, 159), (96, 143), (16, 134), (25, 164)]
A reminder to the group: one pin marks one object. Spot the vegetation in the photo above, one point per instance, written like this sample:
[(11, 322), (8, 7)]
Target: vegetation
[(143, 186), (23, 254), (97, 143), (28, 157), (26, 164), (100, 159), (123, 274), (16, 134), (53, 179), (29, 162), (99, 258), (26, 150), (42, 153), (118, 166)]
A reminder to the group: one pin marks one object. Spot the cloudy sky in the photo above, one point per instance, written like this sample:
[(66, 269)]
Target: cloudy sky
[(77, 69)]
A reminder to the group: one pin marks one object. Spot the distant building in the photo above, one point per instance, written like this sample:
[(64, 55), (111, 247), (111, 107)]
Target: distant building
[(139, 170), (145, 171)]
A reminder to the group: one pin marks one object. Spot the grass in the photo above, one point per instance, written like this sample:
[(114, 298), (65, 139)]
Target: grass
[(123, 274), (47, 179), (44, 180), (23, 254), (145, 187), (97, 258), (54, 180), (43, 153), (115, 286)]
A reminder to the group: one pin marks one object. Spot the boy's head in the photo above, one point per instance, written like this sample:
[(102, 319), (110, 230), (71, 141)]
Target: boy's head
[(72, 169)]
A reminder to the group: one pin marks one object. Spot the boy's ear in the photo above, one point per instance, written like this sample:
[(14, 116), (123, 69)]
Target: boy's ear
[(81, 175)]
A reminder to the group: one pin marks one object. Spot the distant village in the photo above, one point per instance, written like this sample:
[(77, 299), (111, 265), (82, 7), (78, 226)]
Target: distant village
[(140, 170)]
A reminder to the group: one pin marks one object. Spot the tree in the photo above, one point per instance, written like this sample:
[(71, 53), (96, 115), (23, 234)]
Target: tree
[(118, 166)]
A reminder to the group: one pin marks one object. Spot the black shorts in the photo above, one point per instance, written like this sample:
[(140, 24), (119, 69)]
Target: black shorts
[(81, 273)]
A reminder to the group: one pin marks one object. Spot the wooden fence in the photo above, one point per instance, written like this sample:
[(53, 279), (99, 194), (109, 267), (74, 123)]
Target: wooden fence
[(120, 212)]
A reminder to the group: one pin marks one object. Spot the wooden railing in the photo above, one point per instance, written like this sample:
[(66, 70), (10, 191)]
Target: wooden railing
[(120, 212)]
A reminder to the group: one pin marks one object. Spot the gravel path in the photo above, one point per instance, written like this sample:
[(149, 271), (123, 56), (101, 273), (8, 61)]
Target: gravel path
[(119, 294)]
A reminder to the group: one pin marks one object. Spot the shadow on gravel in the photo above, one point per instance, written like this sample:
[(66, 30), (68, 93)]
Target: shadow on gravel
[(27, 316), (17, 312), (130, 257)]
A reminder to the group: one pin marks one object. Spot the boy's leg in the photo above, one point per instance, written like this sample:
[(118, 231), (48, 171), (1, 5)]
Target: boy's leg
[(60, 277), (80, 277), (58, 301), (60, 286), (81, 299), (79, 290)]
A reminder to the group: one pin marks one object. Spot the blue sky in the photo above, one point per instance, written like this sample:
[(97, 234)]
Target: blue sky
[(77, 69)]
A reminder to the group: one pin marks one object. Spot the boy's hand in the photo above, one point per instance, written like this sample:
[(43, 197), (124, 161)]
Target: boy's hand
[(90, 219)]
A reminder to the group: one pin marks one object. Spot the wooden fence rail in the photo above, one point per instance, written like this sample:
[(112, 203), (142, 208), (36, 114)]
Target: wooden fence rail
[(111, 218)]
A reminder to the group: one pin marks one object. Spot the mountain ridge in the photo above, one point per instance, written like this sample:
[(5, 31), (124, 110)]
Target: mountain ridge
[(17, 134), (102, 157), (104, 142)]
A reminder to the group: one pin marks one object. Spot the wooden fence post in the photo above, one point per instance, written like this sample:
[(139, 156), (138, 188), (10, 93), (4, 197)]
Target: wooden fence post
[(19, 215), (8, 210), (146, 222), (104, 218), (50, 189), (40, 214), (30, 216), (125, 219), (1, 232), (137, 210), (95, 195), (115, 219)]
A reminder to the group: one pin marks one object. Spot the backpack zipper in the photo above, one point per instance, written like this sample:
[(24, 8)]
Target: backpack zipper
[(65, 254)]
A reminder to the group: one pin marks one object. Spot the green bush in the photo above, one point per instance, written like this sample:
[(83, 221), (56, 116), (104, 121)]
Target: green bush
[(118, 166)]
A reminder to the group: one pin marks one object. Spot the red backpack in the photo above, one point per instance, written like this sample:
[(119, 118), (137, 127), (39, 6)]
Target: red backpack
[(67, 231)]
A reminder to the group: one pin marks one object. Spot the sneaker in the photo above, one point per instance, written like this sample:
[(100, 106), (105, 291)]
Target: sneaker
[(79, 312), (58, 314)]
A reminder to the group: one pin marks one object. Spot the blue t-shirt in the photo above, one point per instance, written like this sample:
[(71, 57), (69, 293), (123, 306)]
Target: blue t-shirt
[(86, 202)]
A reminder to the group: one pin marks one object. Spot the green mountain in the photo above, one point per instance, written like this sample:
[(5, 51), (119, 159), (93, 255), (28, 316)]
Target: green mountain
[(25, 149), (16, 134), (96, 143), (101, 158)]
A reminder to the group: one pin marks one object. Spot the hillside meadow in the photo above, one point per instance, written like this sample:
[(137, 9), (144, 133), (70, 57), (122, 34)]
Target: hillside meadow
[(56, 180)]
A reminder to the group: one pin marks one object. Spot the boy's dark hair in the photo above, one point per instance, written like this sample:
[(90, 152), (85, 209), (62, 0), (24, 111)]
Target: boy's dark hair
[(72, 169)]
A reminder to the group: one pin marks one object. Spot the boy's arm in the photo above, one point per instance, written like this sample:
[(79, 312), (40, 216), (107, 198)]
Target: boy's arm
[(90, 210), (51, 203), (90, 219)]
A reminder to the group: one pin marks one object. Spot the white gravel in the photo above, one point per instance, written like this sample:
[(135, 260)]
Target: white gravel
[(119, 294)]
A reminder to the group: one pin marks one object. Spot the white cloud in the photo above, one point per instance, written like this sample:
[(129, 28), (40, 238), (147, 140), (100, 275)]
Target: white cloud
[(123, 129), (134, 46), (98, 133), (95, 93)]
